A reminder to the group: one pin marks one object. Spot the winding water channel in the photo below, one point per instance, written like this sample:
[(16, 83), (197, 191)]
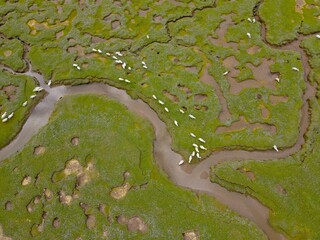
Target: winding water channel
[(195, 177)]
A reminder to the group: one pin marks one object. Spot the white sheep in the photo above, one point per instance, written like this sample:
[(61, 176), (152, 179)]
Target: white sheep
[(3, 115), (192, 135), (11, 115), (191, 116), (202, 147)]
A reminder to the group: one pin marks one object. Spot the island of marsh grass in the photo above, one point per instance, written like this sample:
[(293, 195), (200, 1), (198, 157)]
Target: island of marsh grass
[(187, 49), (289, 186), (285, 19), (90, 172), (312, 46), (14, 91), (11, 53)]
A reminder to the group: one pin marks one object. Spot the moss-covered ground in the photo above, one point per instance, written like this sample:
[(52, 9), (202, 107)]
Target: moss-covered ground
[(90, 171), (188, 46)]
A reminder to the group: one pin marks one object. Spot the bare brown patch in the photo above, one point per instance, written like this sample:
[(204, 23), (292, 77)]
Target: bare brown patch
[(192, 69), (126, 175), (230, 62), (299, 6), (143, 13), (281, 190), (117, 3), (120, 192), (39, 150), (265, 113), (123, 220), (200, 97), (37, 199), (78, 49), (64, 198), (115, 24), (248, 173), (201, 108), (96, 39), (82, 179), (176, 2), (157, 19), (191, 235), (278, 99), (48, 194), (56, 222), (184, 88), (85, 207), (59, 9), (75, 141), (91, 221), (102, 209), (59, 34), (8, 206), (72, 167), (136, 224), (243, 124), (72, 40), (171, 96), (7, 53), (253, 50), (26, 180), (30, 207), (10, 91)]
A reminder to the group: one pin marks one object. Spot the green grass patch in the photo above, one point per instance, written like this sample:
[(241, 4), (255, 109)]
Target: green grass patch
[(15, 90), (11, 53), (281, 19)]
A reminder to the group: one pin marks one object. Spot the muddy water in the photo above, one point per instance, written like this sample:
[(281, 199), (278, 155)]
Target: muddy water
[(207, 78), (221, 32)]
